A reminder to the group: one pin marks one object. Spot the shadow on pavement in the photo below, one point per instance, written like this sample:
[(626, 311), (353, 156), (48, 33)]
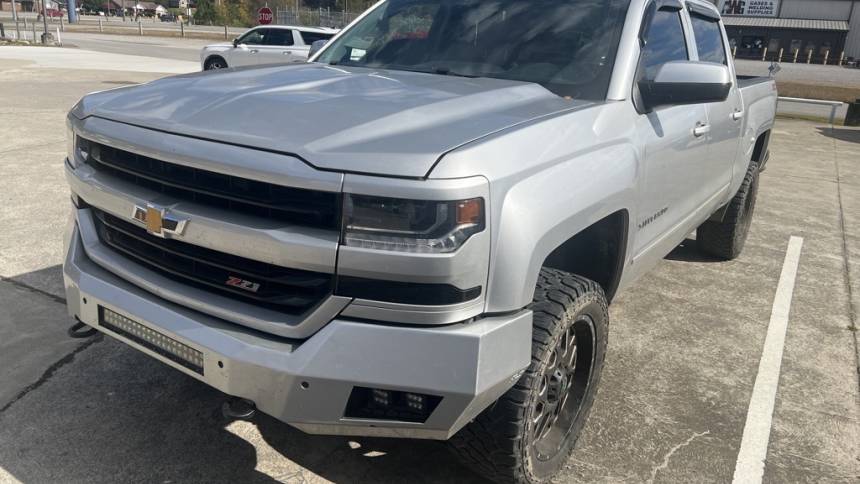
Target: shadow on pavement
[(842, 134), (109, 413), (48, 281), (688, 252)]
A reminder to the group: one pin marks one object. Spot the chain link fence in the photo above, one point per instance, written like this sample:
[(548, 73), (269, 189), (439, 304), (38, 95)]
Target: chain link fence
[(315, 17)]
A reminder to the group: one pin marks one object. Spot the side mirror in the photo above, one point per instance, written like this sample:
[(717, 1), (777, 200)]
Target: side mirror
[(235, 43), (316, 46), (686, 82)]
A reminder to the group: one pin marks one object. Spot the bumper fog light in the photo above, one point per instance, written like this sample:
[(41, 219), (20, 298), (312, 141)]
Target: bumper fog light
[(378, 404)]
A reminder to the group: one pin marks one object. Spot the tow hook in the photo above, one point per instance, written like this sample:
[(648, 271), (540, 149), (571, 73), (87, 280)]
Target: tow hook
[(238, 408), (78, 330)]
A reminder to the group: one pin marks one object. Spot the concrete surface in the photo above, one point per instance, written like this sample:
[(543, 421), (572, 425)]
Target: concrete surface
[(59, 57), (684, 346), (806, 74)]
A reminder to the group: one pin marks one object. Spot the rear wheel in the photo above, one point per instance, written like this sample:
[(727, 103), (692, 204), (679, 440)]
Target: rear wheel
[(725, 239), (530, 432), (214, 63)]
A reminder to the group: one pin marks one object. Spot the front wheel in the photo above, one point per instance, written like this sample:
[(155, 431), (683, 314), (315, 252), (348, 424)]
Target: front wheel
[(215, 63), (530, 432)]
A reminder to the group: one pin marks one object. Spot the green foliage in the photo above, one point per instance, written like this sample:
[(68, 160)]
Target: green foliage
[(91, 5), (207, 13), (238, 13)]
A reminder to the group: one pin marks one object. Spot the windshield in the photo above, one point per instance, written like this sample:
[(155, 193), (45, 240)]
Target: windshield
[(568, 46)]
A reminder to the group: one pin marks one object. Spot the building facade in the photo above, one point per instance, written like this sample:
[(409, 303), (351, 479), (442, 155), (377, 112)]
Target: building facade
[(814, 31)]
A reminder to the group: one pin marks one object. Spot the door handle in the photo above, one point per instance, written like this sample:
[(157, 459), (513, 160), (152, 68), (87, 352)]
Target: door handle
[(701, 129), (737, 115), (254, 51), (287, 52)]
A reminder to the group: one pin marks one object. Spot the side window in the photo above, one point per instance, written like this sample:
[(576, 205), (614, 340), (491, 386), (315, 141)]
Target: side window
[(709, 40), (253, 37), (279, 37), (311, 37), (664, 42)]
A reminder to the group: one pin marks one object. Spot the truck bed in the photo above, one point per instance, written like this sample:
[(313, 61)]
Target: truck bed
[(745, 81)]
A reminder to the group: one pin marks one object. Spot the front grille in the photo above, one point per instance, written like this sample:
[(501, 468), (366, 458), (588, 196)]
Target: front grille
[(286, 204), (279, 288)]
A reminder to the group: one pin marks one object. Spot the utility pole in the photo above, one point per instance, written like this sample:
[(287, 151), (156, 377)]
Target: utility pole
[(73, 12), (45, 21), (14, 12)]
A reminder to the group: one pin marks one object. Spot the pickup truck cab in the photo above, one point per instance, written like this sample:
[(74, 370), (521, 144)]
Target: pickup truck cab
[(418, 232), (268, 44)]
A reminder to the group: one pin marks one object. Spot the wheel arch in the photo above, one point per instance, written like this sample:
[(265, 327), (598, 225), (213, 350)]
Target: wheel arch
[(760, 149), (212, 57), (597, 252)]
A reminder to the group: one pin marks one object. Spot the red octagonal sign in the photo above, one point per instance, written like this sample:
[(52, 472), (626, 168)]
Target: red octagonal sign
[(264, 16)]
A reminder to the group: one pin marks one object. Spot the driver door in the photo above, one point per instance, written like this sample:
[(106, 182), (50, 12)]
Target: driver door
[(675, 153), (247, 50)]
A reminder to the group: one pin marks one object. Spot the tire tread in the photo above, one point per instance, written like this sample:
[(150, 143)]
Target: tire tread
[(492, 444)]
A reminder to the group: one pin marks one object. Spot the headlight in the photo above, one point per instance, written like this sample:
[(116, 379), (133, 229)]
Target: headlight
[(410, 225), (77, 148)]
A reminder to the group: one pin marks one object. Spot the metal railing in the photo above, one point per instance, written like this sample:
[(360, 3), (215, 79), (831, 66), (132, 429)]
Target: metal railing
[(315, 17), (794, 57), (834, 105)]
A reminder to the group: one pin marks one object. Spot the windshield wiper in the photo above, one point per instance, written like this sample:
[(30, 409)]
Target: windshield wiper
[(446, 71)]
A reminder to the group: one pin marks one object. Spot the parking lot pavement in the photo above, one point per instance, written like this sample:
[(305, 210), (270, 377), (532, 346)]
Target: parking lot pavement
[(161, 47), (683, 360), (61, 58)]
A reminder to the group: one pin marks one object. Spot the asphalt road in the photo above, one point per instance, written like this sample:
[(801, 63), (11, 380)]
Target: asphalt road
[(161, 47), (685, 345)]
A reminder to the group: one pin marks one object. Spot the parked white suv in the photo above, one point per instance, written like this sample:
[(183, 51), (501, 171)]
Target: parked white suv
[(269, 44)]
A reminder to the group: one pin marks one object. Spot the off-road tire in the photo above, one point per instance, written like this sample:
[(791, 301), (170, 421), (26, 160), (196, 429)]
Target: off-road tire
[(725, 239), (498, 443)]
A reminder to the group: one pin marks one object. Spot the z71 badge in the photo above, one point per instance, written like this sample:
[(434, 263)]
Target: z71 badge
[(242, 284)]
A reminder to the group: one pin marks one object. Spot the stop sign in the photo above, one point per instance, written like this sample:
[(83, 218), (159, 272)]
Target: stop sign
[(264, 16)]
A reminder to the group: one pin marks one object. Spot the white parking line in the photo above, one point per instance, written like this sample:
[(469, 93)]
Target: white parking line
[(749, 468)]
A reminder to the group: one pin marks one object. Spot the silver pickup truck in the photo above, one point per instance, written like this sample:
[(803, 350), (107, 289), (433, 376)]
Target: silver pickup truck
[(418, 232)]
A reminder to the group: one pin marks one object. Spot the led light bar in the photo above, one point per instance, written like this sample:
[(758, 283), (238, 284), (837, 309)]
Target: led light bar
[(152, 340)]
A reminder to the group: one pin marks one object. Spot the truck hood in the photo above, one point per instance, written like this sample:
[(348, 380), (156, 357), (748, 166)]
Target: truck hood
[(395, 123)]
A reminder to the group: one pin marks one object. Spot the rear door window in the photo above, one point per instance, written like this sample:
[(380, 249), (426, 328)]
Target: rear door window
[(709, 40), (311, 37), (664, 42), (279, 37)]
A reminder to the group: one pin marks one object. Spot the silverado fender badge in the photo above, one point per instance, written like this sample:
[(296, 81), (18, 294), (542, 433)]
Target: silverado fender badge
[(157, 222)]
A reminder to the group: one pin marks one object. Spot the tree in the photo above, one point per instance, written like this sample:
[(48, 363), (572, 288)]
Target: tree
[(207, 13), (92, 5), (237, 13)]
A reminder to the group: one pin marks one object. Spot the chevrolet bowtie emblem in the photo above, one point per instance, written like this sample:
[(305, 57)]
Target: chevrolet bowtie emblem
[(157, 222)]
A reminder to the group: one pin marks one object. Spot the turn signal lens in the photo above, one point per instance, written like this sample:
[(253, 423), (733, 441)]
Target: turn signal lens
[(469, 211)]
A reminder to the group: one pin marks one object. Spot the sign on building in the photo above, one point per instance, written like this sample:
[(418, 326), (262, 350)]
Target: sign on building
[(750, 8)]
